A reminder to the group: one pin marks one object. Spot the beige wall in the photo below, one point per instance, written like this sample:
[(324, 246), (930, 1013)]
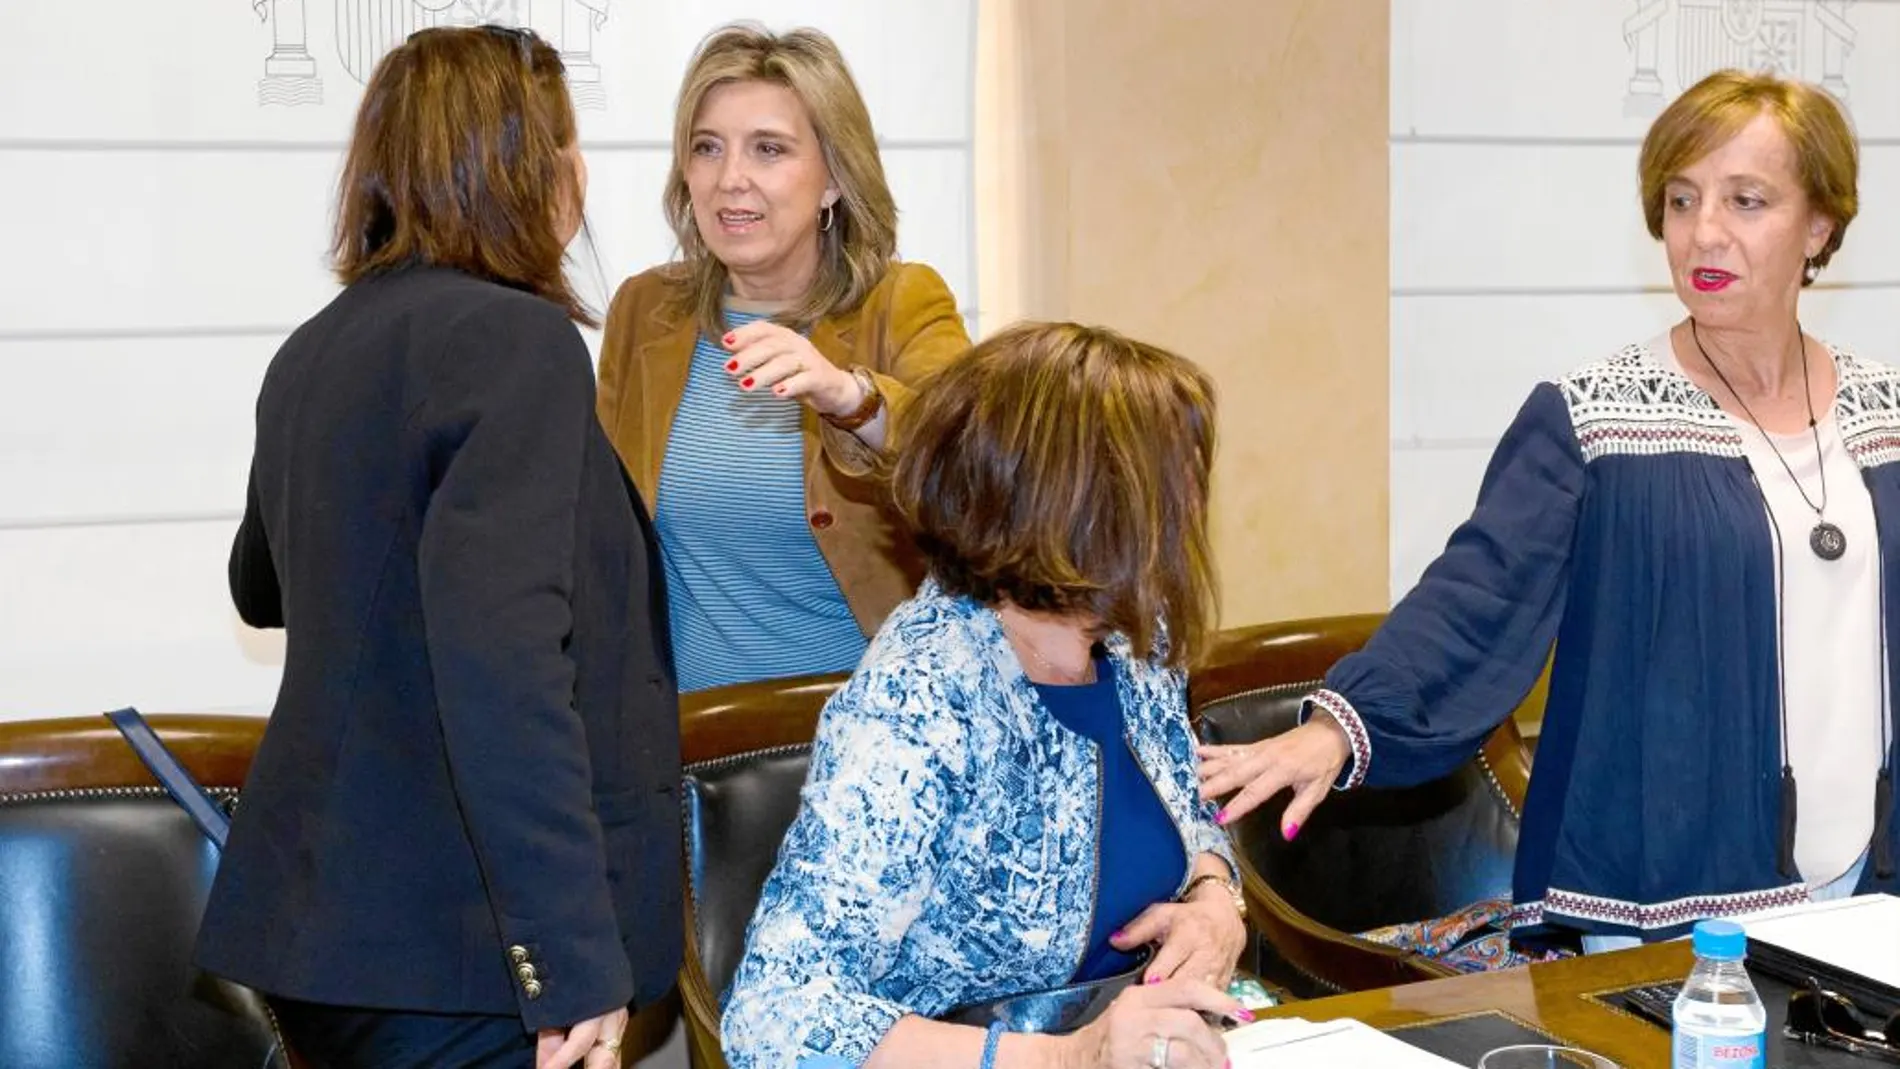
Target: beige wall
[(1211, 175)]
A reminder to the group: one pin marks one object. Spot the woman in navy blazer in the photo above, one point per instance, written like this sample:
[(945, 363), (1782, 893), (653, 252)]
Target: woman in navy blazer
[(460, 825)]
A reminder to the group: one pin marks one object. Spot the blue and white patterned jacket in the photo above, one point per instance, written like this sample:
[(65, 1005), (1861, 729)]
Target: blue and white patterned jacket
[(945, 846)]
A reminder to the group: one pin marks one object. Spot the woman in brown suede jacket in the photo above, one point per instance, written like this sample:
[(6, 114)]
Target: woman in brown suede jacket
[(755, 387)]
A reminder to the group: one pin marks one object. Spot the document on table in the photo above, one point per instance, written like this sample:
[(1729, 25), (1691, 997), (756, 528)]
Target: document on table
[(1292, 1043), (1860, 935)]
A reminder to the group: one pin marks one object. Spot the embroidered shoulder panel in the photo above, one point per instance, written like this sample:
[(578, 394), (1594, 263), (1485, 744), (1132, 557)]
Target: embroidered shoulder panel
[(1559, 907), (1868, 409), (1629, 405)]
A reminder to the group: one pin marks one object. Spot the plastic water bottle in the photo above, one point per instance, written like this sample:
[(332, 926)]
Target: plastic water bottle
[(1719, 1019)]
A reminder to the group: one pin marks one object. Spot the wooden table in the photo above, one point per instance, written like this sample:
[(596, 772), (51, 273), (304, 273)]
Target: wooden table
[(1552, 997)]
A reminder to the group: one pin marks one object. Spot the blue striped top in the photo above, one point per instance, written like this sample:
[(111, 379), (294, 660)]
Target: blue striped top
[(749, 593)]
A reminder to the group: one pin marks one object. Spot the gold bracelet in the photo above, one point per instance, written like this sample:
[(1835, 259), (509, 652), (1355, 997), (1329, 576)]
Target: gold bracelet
[(1232, 889)]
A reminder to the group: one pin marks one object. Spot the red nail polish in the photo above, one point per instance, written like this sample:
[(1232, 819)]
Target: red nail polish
[(745, 383), (780, 390), (1290, 831), (732, 365), (728, 338)]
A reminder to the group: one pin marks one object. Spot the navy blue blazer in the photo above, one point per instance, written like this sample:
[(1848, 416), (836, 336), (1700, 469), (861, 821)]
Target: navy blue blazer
[(464, 801)]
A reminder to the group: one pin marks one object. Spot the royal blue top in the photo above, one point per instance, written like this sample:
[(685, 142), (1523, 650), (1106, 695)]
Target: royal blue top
[(1142, 858)]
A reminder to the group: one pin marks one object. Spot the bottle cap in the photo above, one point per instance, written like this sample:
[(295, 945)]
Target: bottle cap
[(1720, 941)]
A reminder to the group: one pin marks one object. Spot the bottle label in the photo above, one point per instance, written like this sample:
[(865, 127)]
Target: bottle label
[(1720, 1052)]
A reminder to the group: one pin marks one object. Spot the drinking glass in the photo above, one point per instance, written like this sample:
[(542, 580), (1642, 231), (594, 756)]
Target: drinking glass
[(1537, 1056)]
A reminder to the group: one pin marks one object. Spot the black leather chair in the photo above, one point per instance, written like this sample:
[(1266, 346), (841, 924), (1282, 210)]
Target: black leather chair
[(1368, 858), (745, 750), (102, 883)]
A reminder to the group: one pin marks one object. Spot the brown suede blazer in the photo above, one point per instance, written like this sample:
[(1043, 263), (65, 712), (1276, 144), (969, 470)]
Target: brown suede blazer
[(905, 329)]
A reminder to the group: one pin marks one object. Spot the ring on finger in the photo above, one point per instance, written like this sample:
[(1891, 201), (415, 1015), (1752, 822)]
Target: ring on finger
[(1158, 1055)]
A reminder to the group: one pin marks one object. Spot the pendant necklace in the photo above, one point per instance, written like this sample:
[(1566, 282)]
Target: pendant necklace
[(1827, 541)]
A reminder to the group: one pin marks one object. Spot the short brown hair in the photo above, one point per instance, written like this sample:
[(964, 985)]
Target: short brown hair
[(1065, 468), (857, 250), (1716, 109), (457, 160)]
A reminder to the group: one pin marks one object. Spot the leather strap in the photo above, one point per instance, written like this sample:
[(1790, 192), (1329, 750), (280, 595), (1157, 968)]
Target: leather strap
[(867, 409), (198, 805)]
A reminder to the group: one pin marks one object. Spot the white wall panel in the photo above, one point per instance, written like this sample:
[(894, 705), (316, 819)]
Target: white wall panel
[(198, 71), (127, 426), (936, 221), (904, 57), (1433, 491), (1462, 365), (100, 617), (209, 240), (1574, 69), (623, 210), (1514, 216), (165, 240)]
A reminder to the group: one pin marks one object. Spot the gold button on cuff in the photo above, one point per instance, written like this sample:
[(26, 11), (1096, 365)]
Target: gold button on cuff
[(525, 971), (517, 954), (532, 989)]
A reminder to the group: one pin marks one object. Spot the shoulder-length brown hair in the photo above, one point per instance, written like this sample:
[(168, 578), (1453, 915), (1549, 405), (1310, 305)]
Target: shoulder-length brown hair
[(1711, 112), (1065, 469), (858, 248), (458, 159)]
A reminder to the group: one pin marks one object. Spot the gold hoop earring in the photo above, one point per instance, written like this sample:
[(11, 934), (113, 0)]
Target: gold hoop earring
[(828, 215)]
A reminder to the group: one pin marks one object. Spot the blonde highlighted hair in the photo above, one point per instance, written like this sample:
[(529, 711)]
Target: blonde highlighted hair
[(857, 249)]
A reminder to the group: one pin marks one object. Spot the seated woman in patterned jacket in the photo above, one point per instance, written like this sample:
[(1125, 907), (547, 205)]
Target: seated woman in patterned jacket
[(1003, 797)]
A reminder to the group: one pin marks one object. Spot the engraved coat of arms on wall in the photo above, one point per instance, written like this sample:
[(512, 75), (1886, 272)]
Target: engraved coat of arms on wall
[(1807, 39), (363, 30)]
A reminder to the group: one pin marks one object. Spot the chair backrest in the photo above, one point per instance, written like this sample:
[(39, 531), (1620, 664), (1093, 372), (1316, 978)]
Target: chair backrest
[(103, 881), (744, 751), (1369, 857)]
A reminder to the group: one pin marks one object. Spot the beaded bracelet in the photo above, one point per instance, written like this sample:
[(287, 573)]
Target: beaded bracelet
[(990, 1042)]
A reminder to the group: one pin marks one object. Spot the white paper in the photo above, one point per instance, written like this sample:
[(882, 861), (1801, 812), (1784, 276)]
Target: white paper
[(1292, 1043), (1861, 935)]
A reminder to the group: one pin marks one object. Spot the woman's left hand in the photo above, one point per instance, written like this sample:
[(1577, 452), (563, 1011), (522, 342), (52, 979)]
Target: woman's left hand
[(766, 356), (1199, 939)]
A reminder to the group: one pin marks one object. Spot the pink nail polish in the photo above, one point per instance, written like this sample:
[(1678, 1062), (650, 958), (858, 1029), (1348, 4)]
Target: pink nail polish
[(1220, 817), (1290, 831), (1118, 936), (1152, 980), (1245, 1014)]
